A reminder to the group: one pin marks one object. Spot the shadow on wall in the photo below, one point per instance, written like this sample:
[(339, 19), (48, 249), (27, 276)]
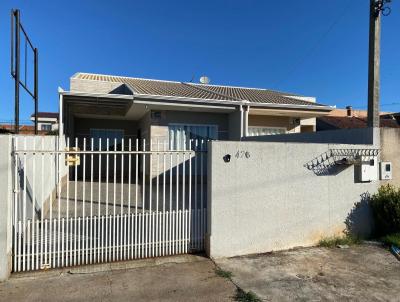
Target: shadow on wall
[(359, 222), (30, 199), (325, 165)]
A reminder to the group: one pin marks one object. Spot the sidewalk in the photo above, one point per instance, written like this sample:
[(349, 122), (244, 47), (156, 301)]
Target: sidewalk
[(180, 278)]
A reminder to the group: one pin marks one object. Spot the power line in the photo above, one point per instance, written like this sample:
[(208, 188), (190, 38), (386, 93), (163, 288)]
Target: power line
[(315, 46)]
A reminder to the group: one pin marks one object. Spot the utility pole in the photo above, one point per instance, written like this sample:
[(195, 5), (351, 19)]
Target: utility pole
[(377, 8)]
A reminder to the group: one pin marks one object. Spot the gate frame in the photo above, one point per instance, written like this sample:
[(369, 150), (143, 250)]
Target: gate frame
[(182, 244)]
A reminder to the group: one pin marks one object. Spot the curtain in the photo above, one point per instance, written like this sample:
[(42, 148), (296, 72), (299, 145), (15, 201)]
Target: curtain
[(180, 135)]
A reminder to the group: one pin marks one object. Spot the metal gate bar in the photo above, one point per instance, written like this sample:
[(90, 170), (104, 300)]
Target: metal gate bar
[(106, 202)]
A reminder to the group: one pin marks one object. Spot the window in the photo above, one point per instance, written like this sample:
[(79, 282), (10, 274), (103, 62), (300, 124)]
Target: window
[(180, 135), (257, 131), (45, 127), (111, 134)]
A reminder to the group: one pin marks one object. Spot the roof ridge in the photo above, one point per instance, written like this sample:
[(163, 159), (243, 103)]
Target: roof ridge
[(123, 77), (252, 88), (190, 83)]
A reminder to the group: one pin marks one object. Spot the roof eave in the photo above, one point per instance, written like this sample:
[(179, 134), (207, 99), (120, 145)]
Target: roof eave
[(197, 101), (291, 106)]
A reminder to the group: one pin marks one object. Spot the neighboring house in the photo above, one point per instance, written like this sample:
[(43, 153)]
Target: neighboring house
[(103, 106), (47, 121), (350, 119)]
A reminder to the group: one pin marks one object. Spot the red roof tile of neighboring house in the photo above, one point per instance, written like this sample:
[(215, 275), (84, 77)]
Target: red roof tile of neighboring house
[(23, 129), (345, 122), (354, 112)]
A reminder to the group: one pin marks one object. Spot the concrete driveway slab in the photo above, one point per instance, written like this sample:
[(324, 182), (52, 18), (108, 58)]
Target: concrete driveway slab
[(188, 280), (359, 273)]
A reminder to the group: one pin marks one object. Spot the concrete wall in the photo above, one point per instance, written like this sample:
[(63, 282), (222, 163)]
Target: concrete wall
[(144, 125), (91, 86), (342, 136), (235, 125), (41, 185), (390, 151), (5, 206), (266, 199), (274, 121)]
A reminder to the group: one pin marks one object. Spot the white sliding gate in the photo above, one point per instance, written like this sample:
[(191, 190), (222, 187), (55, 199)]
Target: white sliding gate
[(102, 201)]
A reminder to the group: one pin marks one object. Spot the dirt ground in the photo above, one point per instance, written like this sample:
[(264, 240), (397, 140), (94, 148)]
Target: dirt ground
[(359, 273)]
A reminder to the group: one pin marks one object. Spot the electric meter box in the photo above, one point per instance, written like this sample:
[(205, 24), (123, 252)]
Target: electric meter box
[(386, 170), (368, 168)]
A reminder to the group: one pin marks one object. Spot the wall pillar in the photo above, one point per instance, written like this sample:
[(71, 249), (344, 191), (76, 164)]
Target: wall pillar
[(5, 206), (245, 120)]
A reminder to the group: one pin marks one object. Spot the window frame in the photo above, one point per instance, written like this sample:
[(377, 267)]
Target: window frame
[(172, 145), (46, 127), (104, 142), (267, 127)]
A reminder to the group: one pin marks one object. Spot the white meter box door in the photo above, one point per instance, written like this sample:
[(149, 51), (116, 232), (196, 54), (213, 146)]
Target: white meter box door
[(369, 168)]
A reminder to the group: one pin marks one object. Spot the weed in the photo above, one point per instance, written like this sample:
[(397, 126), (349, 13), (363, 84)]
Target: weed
[(242, 296), (224, 274), (392, 239), (339, 240)]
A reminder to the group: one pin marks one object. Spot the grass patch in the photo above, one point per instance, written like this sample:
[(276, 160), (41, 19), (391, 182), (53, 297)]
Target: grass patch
[(224, 274), (242, 296), (392, 239), (338, 240)]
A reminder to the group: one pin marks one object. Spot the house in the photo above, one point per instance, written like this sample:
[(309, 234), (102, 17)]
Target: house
[(47, 121), (351, 119), (114, 107)]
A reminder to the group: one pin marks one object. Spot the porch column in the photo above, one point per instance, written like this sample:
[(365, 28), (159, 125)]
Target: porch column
[(245, 120), (60, 113)]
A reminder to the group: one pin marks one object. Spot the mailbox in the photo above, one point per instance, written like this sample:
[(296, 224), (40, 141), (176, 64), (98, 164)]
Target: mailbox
[(72, 159)]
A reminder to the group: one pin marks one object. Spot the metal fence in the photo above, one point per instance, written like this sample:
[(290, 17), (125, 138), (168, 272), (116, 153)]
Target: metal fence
[(101, 201)]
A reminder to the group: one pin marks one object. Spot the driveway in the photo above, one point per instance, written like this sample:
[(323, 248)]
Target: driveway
[(359, 273), (179, 278)]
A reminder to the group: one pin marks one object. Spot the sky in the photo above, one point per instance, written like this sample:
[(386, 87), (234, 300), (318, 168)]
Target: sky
[(316, 47)]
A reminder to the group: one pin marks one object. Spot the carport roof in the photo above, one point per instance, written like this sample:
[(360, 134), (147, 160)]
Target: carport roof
[(202, 91)]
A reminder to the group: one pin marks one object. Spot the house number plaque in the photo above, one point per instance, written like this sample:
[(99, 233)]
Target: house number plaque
[(242, 154)]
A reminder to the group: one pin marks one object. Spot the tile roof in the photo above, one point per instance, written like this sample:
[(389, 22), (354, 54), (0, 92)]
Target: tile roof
[(201, 91), (354, 112), (345, 122), (46, 114)]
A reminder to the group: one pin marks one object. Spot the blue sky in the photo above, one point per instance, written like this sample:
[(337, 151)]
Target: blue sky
[(314, 47)]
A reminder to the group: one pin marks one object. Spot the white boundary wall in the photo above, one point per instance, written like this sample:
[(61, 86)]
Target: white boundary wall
[(39, 167), (5, 206), (7, 185), (271, 201)]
